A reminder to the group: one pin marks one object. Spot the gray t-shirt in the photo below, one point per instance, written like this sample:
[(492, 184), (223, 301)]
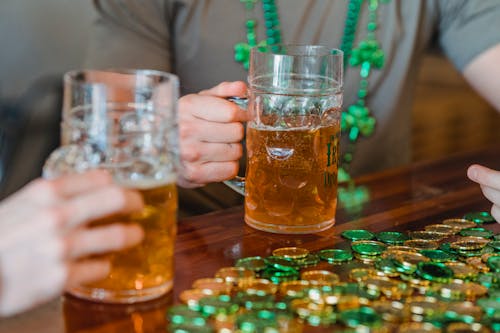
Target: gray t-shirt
[(195, 40)]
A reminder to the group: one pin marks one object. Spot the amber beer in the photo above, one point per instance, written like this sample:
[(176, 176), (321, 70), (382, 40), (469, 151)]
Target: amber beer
[(147, 270), (291, 180)]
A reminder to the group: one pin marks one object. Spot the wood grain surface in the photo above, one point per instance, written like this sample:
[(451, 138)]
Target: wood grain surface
[(401, 199)]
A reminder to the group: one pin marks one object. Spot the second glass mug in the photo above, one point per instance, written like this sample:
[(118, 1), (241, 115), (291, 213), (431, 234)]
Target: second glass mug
[(125, 121), (295, 96)]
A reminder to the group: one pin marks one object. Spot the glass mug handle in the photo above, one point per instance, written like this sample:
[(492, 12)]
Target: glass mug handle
[(237, 184)]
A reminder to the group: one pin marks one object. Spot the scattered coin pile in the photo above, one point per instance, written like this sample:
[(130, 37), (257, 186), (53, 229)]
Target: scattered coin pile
[(445, 278)]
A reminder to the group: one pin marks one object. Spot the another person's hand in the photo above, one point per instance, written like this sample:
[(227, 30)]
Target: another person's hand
[(43, 234), (211, 131), (489, 180)]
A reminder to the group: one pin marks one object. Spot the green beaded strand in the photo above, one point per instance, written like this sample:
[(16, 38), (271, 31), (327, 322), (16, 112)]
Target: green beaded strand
[(273, 31), (367, 55)]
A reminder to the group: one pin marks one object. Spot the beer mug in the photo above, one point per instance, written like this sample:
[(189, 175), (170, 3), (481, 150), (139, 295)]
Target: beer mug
[(126, 122), (292, 138)]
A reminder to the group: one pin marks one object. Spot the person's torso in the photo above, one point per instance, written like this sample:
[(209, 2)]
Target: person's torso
[(206, 32)]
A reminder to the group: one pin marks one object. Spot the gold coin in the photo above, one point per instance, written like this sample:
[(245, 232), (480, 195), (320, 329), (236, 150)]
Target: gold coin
[(478, 263), (410, 259), (190, 297), (291, 252), (213, 286), (391, 289), (464, 327), (257, 286), (424, 305), (475, 290), (422, 286), (296, 288), (469, 243), (378, 283), (305, 308), (392, 254), (391, 311), (486, 256), (418, 328), (357, 274), (454, 290), (400, 248), (322, 295), (322, 277), (422, 244), (459, 223), (427, 235), (234, 274), (366, 259), (348, 302), (224, 322), (462, 270), (466, 309), (442, 228), (458, 289)]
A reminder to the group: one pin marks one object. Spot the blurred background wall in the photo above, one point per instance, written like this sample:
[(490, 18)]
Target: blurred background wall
[(40, 40), (448, 116)]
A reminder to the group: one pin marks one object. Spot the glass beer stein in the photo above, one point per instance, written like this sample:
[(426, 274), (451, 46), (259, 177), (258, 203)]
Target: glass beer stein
[(292, 140), (126, 122)]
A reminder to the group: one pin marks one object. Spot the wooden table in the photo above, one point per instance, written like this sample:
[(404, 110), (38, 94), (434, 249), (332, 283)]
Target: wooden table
[(402, 199)]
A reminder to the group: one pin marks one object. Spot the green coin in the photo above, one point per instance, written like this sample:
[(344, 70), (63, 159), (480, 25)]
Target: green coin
[(364, 316), (254, 301), (252, 263), (370, 248), (438, 255), (271, 271), (279, 263), (215, 305), (495, 244), (335, 255), (358, 234), (470, 253), (489, 279), (494, 294), (434, 271), (494, 263), (490, 306), (190, 328), (476, 232), (322, 319), (257, 321), (387, 266), (479, 217), (496, 237), (446, 247), (182, 314), (392, 237), (278, 276)]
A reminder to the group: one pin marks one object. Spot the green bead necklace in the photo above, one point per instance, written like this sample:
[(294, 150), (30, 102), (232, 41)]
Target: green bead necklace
[(356, 120)]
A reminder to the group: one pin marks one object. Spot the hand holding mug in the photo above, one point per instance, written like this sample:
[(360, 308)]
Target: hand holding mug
[(43, 235)]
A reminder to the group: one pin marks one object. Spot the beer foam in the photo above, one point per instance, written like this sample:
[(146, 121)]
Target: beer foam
[(147, 183)]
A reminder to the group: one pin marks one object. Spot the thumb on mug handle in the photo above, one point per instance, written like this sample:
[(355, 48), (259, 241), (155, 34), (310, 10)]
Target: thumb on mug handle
[(237, 184)]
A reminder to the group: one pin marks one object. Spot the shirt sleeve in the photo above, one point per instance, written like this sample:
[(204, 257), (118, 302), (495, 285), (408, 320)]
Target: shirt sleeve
[(467, 28), (130, 34)]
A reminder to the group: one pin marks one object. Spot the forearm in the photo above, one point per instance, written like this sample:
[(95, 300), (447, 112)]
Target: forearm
[(483, 74)]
